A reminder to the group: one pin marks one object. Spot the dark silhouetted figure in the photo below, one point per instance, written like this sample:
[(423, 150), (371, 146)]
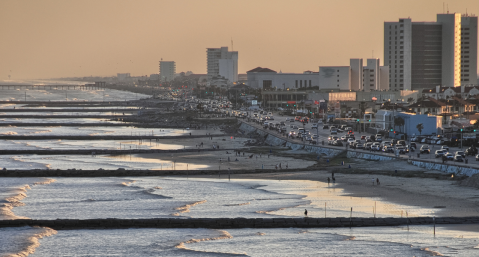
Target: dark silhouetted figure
[(329, 180), (305, 212), (377, 181)]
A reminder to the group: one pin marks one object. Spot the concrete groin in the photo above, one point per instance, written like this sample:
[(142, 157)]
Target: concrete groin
[(232, 223), (221, 173), (101, 137), (72, 110), (72, 116), (93, 124), (104, 151)]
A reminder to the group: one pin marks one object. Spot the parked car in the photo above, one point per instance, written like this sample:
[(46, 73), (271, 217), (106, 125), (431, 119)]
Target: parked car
[(412, 144), (401, 142), (440, 153), (359, 146), (376, 147), (363, 137), (425, 149)]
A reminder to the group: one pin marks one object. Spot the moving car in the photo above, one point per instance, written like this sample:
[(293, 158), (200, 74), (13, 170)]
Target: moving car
[(425, 149), (458, 158), (440, 153), (449, 156), (461, 153)]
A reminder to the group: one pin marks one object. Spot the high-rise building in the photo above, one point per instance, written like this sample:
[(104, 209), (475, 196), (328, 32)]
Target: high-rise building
[(426, 54), (167, 70), (223, 63), (468, 49)]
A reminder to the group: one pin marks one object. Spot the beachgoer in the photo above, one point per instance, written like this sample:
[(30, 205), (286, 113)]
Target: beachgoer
[(377, 181), (373, 181), (328, 180), (305, 212)]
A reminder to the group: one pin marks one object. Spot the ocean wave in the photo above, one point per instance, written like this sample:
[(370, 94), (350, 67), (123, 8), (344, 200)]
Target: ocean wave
[(15, 200), (431, 252), (283, 208), (128, 183), (238, 204), (186, 208), (223, 235), (9, 133), (151, 191), (32, 242)]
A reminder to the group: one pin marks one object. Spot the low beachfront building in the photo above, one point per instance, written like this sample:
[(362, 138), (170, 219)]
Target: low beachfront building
[(430, 124)]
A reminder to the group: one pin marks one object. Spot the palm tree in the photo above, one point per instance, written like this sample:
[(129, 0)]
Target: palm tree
[(420, 127), (398, 121)]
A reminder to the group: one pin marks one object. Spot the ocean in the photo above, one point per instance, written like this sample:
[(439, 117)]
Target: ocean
[(180, 197)]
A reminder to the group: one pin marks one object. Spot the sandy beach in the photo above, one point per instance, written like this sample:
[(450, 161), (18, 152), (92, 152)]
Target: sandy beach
[(444, 197)]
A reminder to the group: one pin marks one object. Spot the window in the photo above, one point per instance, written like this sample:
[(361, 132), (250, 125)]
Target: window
[(338, 80), (401, 37), (401, 31), (401, 66), (296, 84), (338, 76)]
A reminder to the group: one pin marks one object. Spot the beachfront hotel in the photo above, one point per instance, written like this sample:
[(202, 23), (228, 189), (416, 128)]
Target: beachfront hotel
[(424, 55), (222, 63)]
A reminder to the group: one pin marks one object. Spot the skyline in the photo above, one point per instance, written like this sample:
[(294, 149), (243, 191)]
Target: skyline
[(52, 39)]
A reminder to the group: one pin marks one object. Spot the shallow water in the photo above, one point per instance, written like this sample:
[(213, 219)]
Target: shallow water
[(378, 241)]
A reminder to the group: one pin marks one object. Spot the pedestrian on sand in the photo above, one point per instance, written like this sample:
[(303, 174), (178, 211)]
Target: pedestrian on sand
[(373, 181), (328, 180), (305, 212), (377, 181)]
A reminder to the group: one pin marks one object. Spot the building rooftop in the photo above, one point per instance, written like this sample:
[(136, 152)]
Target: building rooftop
[(259, 69)]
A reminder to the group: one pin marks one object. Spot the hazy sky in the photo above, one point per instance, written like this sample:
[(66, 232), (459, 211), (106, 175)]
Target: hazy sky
[(46, 39)]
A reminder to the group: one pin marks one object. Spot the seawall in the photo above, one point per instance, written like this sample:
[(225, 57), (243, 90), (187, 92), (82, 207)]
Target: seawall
[(444, 167), (274, 140), (230, 223)]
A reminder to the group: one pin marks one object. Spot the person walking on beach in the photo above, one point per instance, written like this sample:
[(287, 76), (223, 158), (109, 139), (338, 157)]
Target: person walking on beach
[(377, 181), (373, 181), (305, 212), (328, 180)]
